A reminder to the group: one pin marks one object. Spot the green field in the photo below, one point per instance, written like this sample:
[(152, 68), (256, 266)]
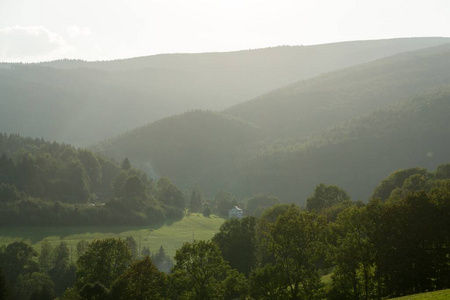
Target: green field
[(438, 295), (170, 236)]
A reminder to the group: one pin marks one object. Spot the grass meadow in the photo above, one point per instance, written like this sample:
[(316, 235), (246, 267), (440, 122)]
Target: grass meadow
[(170, 235), (438, 295)]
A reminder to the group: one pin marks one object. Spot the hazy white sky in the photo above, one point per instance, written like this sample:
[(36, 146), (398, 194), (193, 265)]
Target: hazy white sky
[(36, 30)]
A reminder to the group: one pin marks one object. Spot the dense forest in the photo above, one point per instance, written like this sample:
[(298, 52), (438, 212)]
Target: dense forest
[(82, 103), (44, 183), (309, 106), (334, 248), (348, 127), (358, 153), (198, 148)]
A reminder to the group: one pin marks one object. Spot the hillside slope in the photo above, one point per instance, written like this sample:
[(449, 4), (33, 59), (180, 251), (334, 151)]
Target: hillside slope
[(359, 153), (198, 148), (273, 154), (84, 102), (313, 105), (44, 183)]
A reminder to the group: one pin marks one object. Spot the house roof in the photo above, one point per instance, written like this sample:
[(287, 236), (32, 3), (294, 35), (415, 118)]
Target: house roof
[(237, 208)]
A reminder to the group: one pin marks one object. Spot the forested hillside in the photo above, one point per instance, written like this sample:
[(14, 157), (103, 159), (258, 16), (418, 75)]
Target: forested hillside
[(287, 145), (358, 153), (84, 102), (45, 183), (198, 148), (312, 105)]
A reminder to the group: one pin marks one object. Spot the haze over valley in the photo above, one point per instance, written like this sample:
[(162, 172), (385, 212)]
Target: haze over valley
[(226, 150)]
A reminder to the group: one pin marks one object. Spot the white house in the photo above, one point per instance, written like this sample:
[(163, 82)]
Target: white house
[(235, 212)]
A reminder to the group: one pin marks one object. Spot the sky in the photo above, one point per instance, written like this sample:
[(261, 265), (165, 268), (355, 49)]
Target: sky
[(43, 30)]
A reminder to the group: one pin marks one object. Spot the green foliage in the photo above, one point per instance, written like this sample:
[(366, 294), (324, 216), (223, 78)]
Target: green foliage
[(94, 291), (348, 127), (126, 165), (81, 248), (196, 201), (412, 245), (200, 271), (132, 245), (17, 259), (104, 261), (141, 280), (45, 183), (134, 187), (258, 203), (375, 251), (393, 248), (34, 286), (326, 196), (206, 211), (354, 275), (62, 272), (4, 291), (265, 283), (304, 107), (297, 243), (162, 261), (237, 242), (224, 202), (8, 193), (45, 258), (146, 251), (265, 221), (260, 149), (442, 171), (169, 194), (197, 146), (395, 180), (360, 152)]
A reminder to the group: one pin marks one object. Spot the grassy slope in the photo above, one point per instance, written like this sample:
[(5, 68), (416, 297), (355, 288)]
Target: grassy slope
[(438, 295), (171, 236)]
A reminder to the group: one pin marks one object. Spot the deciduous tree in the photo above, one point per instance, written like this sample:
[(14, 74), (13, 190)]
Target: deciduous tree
[(200, 271), (141, 280), (237, 242), (104, 261), (296, 240)]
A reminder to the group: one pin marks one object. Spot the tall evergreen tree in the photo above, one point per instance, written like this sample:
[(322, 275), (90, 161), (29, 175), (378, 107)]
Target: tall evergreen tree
[(196, 201), (126, 165)]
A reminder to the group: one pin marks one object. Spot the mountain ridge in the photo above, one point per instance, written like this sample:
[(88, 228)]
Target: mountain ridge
[(82, 106), (260, 167)]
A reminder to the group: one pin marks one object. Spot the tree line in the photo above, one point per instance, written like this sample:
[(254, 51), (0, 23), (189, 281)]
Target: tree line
[(44, 183), (334, 248)]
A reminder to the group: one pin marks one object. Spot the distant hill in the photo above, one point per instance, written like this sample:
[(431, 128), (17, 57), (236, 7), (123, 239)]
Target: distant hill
[(77, 106), (267, 151), (313, 105), (84, 102), (215, 152), (198, 148), (357, 154)]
